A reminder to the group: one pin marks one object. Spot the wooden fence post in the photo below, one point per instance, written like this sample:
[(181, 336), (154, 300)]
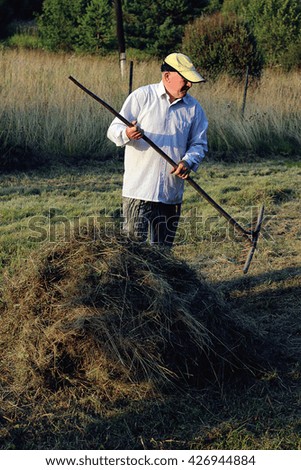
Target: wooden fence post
[(120, 35), (131, 77)]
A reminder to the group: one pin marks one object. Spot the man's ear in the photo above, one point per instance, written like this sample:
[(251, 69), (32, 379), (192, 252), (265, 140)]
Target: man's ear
[(166, 76)]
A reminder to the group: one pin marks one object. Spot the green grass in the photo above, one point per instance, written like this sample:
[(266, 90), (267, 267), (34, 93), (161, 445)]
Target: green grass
[(261, 413)]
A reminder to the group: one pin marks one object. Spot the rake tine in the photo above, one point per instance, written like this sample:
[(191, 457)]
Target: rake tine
[(254, 240)]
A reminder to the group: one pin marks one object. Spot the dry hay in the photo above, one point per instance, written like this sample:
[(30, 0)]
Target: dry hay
[(93, 310)]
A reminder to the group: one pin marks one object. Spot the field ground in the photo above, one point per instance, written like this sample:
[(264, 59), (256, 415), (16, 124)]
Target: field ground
[(263, 413)]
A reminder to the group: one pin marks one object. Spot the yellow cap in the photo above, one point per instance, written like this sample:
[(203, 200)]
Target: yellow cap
[(182, 64)]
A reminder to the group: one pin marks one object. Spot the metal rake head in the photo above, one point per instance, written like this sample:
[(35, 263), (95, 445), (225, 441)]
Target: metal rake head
[(253, 239)]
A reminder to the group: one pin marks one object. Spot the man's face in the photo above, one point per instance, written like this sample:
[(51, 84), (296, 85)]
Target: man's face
[(175, 85)]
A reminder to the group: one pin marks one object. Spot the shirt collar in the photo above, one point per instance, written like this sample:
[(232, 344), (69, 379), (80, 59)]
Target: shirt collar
[(161, 89)]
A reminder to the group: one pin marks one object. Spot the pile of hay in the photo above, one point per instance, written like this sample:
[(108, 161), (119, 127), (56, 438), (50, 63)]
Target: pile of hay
[(93, 310)]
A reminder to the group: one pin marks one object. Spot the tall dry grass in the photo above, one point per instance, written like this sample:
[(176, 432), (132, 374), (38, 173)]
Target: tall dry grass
[(41, 110), (43, 114), (271, 120)]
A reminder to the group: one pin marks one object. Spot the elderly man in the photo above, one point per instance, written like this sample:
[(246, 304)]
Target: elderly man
[(175, 122)]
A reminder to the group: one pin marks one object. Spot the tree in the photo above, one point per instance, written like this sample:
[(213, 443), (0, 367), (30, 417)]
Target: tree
[(58, 23), (168, 39), (158, 26), (276, 25), (96, 30)]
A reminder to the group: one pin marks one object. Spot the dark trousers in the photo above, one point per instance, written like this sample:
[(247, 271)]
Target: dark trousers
[(153, 221)]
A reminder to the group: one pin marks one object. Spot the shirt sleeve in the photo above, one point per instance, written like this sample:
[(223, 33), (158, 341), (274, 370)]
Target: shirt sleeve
[(117, 129), (197, 142)]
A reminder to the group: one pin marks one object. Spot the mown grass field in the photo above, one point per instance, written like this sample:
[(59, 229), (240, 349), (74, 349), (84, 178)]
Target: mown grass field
[(59, 173)]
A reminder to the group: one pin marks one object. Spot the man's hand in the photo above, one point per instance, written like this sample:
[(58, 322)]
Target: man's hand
[(182, 170), (134, 132)]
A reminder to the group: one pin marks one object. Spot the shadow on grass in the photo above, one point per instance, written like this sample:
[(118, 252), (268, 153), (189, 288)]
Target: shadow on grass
[(273, 301), (261, 416), (249, 281)]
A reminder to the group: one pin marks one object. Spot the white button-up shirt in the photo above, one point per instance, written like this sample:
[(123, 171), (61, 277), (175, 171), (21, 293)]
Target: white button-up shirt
[(178, 128)]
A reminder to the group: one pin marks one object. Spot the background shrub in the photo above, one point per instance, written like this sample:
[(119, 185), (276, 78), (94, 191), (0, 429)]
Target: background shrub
[(219, 44)]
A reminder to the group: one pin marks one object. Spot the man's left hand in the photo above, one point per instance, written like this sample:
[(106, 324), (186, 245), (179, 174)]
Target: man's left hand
[(182, 170)]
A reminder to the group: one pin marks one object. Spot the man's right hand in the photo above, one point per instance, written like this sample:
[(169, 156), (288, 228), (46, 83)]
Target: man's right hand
[(134, 132)]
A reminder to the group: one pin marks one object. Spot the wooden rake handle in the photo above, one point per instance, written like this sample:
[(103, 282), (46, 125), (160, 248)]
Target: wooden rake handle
[(250, 235), (231, 220)]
